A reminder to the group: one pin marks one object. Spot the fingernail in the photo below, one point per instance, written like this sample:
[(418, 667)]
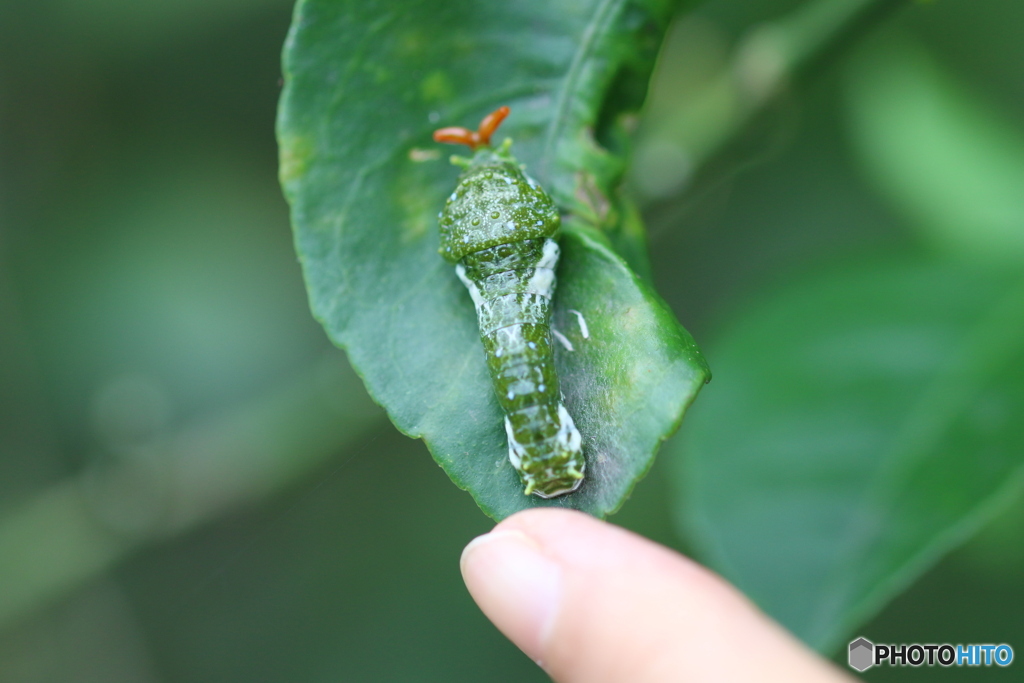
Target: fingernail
[(515, 585)]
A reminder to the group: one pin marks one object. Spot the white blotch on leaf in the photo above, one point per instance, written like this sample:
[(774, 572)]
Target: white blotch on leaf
[(584, 330)]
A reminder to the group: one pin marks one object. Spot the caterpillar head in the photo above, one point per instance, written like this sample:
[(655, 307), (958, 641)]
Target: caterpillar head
[(495, 202)]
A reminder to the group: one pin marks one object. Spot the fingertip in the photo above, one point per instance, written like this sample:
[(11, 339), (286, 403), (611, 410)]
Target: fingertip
[(591, 544), (515, 584), (595, 602)]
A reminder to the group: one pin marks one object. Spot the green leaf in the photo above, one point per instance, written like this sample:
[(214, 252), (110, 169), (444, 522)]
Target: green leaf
[(950, 162), (861, 424), (366, 83)]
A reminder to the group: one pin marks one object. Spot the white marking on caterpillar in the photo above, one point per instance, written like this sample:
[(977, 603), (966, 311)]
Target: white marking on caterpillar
[(583, 323), (543, 281), (567, 435), (474, 291), (516, 450), (562, 338), (549, 257)]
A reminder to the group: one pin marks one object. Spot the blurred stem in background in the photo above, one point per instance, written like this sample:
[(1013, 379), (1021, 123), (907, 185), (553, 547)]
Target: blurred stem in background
[(76, 530), (681, 148)]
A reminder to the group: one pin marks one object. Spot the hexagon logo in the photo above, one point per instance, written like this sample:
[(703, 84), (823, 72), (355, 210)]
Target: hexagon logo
[(862, 654)]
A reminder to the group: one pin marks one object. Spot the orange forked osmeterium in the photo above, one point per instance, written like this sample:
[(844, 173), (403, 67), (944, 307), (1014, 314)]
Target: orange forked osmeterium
[(473, 138)]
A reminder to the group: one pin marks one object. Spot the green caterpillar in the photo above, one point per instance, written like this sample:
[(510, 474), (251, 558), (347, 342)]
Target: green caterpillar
[(499, 228)]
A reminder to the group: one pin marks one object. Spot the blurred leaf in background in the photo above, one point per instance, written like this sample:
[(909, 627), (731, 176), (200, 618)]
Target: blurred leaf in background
[(945, 158), (875, 412)]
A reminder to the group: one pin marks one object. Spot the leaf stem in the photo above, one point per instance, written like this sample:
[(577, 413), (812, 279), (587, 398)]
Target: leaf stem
[(776, 54), (75, 530), (716, 118)]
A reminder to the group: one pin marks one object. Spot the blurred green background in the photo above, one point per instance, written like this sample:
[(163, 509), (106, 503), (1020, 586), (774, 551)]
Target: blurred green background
[(193, 484)]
